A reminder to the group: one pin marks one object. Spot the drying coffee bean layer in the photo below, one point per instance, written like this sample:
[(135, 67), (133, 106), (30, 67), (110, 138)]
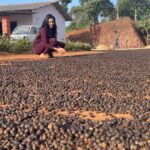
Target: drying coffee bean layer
[(39, 100)]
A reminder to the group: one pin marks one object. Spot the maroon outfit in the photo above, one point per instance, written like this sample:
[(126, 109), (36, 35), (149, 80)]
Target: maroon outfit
[(42, 45)]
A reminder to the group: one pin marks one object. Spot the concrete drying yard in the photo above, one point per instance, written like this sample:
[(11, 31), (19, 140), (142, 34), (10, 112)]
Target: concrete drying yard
[(88, 102)]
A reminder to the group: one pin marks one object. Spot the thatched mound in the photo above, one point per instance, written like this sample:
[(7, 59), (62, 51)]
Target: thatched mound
[(104, 34)]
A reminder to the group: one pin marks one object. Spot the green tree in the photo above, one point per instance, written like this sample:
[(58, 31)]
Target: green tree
[(90, 11), (141, 6), (144, 26), (64, 3), (80, 19), (97, 8), (135, 9)]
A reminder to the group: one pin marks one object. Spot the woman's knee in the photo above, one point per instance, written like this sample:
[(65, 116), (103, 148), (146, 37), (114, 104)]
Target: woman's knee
[(36, 51), (52, 41)]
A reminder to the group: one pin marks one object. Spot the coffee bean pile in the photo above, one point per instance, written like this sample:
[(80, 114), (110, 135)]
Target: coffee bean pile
[(32, 93)]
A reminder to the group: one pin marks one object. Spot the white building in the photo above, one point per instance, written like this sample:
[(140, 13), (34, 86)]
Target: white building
[(32, 14)]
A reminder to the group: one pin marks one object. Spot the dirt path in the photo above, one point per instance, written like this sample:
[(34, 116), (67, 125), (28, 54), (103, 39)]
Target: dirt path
[(10, 56)]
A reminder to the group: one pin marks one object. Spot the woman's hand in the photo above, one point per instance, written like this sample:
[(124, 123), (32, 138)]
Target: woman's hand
[(60, 50)]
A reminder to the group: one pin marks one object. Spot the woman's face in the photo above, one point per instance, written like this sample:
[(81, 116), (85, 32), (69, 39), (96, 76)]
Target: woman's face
[(51, 22)]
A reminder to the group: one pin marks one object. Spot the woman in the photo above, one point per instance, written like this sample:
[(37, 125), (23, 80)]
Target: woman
[(46, 42)]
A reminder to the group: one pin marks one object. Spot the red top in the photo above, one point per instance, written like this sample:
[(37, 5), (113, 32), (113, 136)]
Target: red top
[(40, 42)]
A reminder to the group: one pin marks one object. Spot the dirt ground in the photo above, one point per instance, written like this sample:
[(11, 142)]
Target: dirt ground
[(10, 56), (5, 56)]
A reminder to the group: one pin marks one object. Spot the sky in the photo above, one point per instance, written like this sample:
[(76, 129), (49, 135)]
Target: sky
[(76, 2)]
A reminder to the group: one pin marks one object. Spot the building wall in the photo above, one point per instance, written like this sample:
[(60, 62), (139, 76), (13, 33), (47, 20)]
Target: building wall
[(37, 18), (40, 13), (22, 19)]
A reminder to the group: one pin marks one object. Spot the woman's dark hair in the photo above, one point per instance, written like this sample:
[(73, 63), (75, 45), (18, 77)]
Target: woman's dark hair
[(49, 32)]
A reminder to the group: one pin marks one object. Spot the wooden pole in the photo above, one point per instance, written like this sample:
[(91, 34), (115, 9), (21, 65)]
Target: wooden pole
[(117, 9), (135, 15)]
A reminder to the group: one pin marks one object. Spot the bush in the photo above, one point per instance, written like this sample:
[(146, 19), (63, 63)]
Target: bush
[(4, 44), (73, 26), (24, 45), (20, 46), (76, 46), (17, 46)]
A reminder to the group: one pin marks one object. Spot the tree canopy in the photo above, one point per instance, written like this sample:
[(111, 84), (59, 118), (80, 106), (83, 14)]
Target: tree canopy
[(97, 8), (64, 3), (130, 8), (90, 11)]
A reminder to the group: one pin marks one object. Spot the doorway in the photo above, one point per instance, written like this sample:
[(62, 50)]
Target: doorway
[(13, 24)]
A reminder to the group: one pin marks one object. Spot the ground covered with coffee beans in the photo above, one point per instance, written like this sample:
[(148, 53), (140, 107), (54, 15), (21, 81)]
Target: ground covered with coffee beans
[(92, 102)]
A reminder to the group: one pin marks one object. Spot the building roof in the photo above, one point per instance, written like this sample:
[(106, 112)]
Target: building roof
[(4, 9)]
